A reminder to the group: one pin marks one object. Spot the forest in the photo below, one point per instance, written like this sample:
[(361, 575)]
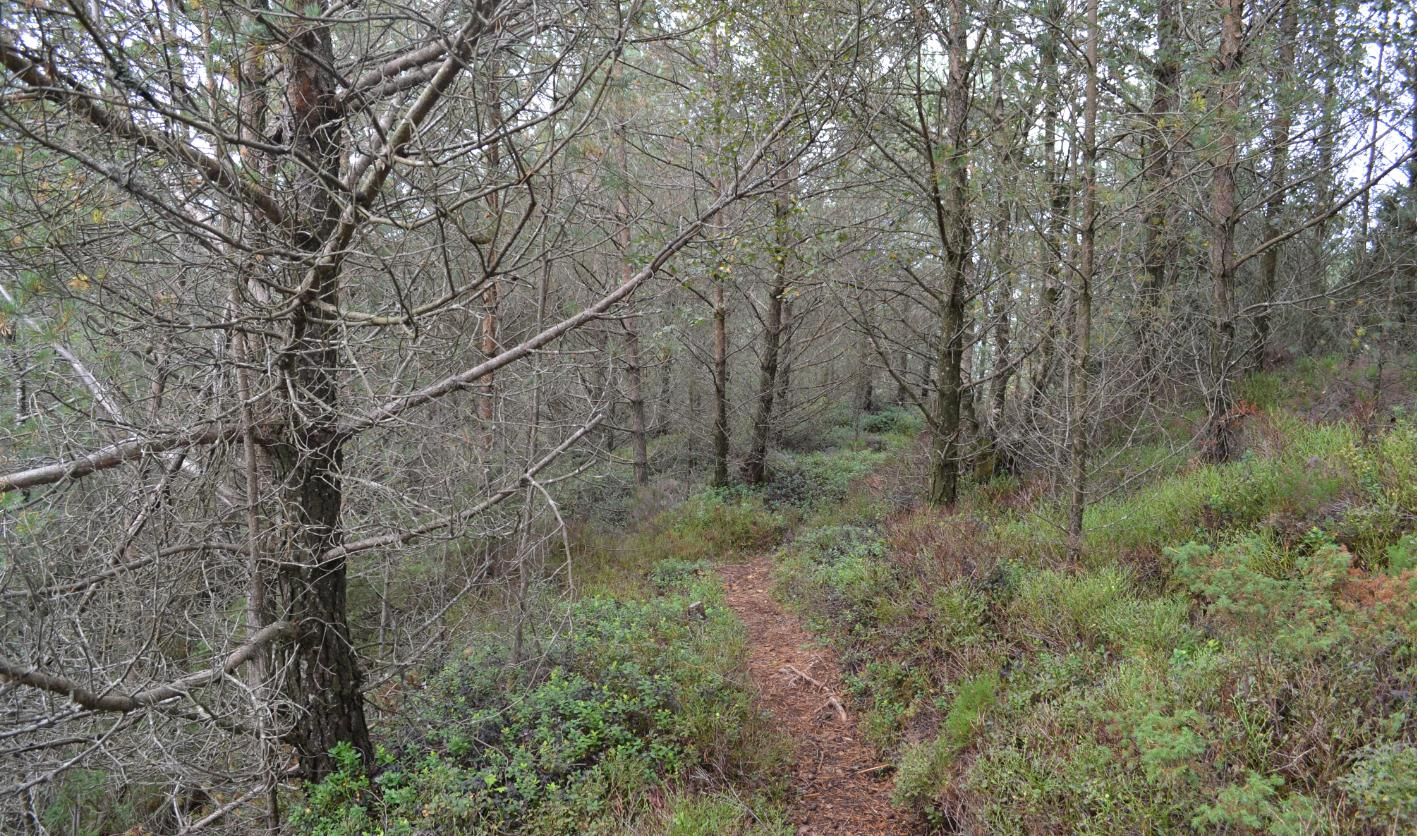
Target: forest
[(708, 417)]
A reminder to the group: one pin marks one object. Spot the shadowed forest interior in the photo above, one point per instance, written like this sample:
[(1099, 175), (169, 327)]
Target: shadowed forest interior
[(708, 416)]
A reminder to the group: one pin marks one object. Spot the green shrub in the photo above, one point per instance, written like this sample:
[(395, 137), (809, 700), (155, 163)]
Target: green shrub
[(1061, 607), (629, 701), (924, 766), (1253, 805), (1402, 555), (899, 420), (724, 521), (819, 480), (1383, 785), (712, 815)]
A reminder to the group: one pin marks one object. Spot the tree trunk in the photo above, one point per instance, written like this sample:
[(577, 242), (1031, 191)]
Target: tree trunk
[(1082, 329), (720, 382), (755, 466), (1158, 247), (1278, 171), (1317, 281), (487, 387), (1220, 399), (634, 395), (634, 376), (322, 676), (1055, 173), (952, 221), (784, 375)]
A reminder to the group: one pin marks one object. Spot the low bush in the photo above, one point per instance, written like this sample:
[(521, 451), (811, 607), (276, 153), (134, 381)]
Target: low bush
[(1234, 652), (635, 698)]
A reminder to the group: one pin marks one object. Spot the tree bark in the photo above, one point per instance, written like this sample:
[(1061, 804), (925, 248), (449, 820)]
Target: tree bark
[(953, 226), (755, 465), (1055, 174), (322, 677), (720, 381), (1082, 328), (1220, 432), (1158, 247), (1278, 171), (634, 375)]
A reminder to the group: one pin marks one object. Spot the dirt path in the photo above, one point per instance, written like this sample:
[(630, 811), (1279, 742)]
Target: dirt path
[(836, 788)]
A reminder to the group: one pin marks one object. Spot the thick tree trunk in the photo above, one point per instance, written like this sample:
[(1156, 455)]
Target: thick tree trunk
[(1220, 399), (952, 220), (321, 674), (755, 465)]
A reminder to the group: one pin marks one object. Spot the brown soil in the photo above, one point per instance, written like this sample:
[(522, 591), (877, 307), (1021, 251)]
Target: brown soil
[(838, 785)]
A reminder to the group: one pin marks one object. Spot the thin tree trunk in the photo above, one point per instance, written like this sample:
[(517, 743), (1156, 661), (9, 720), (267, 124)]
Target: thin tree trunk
[(1220, 423), (1158, 248), (720, 382), (1082, 330), (487, 387), (1317, 283), (784, 375), (953, 226), (1278, 171), (1056, 176), (634, 377)]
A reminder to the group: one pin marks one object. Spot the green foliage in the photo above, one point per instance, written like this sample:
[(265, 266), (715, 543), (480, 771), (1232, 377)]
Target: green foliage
[(835, 567), (83, 802), (1402, 555), (724, 521), (894, 420), (820, 479), (633, 698), (1061, 608), (335, 805), (1257, 805), (1383, 784), (1233, 653), (712, 815), (923, 767)]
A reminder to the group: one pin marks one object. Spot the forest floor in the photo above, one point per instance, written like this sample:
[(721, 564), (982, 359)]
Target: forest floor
[(837, 786)]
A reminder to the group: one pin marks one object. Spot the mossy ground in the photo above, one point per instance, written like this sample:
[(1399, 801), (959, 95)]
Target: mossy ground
[(1233, 651)]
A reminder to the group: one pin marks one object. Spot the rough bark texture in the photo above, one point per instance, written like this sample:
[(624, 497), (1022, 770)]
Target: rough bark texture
[(1220, 422), (634, 369), (1055, 174), (1082, 327), (952, 221), (755, 464), (720, 383), (322, 679)]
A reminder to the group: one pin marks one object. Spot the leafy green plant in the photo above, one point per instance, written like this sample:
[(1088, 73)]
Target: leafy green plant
[(1383, 784)]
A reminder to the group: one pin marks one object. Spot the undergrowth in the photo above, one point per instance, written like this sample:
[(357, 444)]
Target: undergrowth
[(1233, 652), (629, 708)]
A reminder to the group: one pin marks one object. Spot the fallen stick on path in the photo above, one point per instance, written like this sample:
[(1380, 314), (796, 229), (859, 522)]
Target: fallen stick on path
[(831, 697)]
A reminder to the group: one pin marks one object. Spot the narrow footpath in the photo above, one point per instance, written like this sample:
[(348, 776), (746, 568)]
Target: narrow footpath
[(838, 786)]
